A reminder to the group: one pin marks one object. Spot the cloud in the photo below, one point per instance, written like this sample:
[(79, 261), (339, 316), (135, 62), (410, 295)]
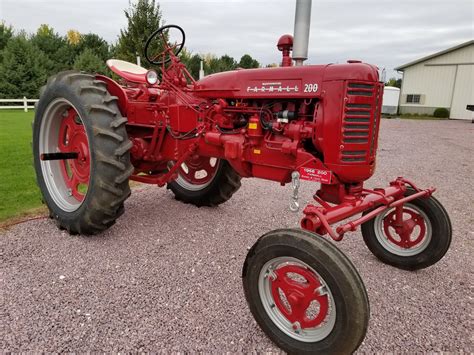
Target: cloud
[(382, 32)]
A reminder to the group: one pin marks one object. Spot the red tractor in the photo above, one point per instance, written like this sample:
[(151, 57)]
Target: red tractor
[(93, 134)]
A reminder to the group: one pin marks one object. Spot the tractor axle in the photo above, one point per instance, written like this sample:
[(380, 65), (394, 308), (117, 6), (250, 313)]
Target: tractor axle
[(59, 156)]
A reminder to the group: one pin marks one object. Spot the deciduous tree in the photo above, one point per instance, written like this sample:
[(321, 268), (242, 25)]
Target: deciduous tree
[(394, 82)]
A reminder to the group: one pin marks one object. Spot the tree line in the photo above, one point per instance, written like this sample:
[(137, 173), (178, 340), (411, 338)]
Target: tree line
[(27, 60)]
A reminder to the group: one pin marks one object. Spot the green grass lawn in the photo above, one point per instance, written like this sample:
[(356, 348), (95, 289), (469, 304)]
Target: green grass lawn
[(19, 193)]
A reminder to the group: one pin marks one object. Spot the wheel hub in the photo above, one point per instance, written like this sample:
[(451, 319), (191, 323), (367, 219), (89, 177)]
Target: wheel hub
[(73, 138), (198, 170), (407, 236), (299, 286)]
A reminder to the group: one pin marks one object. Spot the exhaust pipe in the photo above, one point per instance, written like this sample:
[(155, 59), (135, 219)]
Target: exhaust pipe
[(301, 33)]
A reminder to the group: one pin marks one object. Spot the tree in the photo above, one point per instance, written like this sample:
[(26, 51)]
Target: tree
[(144, 17), (89, 62), (247, 62), (394, 82), (227, 63), (212, 64), (6, 32), (96, 44), (73, 37), (23, 70), (192, 62), (55, 47)]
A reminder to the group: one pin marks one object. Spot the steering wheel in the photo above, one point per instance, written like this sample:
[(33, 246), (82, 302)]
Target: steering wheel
[(167, 50)]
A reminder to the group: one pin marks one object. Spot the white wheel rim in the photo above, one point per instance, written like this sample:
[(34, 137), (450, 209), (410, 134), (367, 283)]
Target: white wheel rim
[(393, 248), (307, 335), (181, 181), (48, 143)]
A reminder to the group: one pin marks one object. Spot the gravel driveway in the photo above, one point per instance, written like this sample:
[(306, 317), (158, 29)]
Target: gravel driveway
[(166, 277)]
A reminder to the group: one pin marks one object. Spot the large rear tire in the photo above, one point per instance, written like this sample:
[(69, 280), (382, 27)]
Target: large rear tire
[(76, 114), (305, 294), (204, 181)]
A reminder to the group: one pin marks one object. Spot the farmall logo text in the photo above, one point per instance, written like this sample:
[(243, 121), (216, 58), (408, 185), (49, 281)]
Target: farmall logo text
[(275, 87), (317, 175), (280, 87)]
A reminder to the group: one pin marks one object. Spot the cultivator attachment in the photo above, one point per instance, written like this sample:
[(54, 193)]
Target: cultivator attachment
[(319, 219)]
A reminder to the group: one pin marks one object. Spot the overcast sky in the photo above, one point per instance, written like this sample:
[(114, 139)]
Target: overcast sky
[(382, 32)]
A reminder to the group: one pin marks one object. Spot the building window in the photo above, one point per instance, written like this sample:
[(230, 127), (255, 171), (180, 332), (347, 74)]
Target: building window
[(413, 99)]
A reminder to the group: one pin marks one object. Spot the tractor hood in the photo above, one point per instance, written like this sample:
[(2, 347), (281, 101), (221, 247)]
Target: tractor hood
[(283, 82)]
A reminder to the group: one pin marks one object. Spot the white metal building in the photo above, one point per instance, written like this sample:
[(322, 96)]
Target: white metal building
[(444, 79)]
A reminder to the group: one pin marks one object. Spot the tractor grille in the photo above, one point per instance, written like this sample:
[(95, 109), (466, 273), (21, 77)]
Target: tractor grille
[(360, 123)]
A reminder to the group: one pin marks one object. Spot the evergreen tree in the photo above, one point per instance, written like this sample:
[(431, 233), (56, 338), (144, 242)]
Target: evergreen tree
[(89, 62), (6, 32), (144, 18), (96, 44), (247, 62), (23, 70), (55, 47)]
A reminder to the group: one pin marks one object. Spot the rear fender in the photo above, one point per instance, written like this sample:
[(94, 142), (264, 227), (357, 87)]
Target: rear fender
[(115, 89)]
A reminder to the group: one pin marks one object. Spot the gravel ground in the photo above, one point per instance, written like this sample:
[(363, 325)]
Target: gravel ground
[(166, 277)]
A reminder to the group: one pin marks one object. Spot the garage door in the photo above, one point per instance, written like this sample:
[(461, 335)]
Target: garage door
[(463, 93)]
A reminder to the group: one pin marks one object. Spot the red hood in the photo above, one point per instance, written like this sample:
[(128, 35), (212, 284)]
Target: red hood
[(283, 82)]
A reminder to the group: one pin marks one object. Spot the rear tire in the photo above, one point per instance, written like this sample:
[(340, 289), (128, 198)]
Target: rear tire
[(95, 128), (223, 183), (324, 277), (427, 251)]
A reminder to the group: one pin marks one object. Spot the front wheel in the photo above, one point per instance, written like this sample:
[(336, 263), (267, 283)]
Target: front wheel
[(305, 294), (422, 240)]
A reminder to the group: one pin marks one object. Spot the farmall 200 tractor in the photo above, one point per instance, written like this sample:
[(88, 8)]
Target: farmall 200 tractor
[(296, 122)]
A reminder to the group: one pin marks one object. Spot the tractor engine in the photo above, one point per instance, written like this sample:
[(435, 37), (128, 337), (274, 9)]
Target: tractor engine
[(319, 120), (330, 112)]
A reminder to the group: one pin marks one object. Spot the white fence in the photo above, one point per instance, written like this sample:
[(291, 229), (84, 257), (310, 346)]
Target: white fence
[(24, 103)]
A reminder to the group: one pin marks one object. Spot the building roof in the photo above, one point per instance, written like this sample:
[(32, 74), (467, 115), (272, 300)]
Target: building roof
[(459, 46)]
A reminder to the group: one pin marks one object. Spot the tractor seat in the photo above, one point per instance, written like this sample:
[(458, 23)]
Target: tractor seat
[(129, 71)]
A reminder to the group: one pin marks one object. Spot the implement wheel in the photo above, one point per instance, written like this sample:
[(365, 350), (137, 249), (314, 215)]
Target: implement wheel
[(204, 181), (422, 240), (305, 294), (79, 126)]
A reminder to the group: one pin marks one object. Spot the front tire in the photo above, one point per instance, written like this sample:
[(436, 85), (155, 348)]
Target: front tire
[(426, 242), (76, 114), (305, 294)]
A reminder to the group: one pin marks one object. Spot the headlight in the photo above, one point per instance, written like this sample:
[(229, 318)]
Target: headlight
[(151, 77)]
